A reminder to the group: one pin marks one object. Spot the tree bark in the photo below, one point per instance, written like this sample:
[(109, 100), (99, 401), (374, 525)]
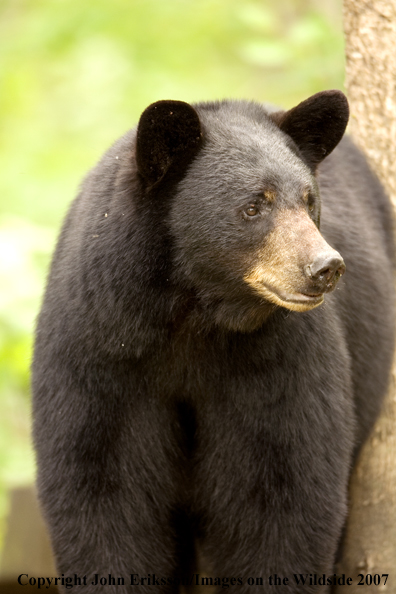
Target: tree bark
[(370, 35)]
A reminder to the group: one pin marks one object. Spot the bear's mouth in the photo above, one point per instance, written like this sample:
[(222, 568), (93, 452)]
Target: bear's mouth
[(297, 301), (312, 299), (302, 298)]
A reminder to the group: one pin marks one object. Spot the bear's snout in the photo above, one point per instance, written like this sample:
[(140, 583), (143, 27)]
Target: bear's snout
[(325, 271)]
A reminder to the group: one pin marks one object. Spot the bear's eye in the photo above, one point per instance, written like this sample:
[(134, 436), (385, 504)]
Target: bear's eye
[(309, 201), (251, 210)]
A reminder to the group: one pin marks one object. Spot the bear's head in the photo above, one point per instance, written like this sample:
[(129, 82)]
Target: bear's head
[(243, 202)]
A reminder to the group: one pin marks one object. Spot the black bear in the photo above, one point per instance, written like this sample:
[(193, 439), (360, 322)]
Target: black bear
[(198, 383)]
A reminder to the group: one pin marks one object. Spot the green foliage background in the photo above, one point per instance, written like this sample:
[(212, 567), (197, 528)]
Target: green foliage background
[(73, 77)]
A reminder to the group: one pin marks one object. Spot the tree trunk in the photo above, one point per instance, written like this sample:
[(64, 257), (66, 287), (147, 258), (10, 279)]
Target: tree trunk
[(370, 34)]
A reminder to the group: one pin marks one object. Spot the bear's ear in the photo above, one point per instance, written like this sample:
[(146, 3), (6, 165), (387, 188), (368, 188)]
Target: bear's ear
[(168, 136), (316, 125)]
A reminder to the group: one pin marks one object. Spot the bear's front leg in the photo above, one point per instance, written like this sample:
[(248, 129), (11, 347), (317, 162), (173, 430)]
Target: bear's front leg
[(272, 497), (111, 486)]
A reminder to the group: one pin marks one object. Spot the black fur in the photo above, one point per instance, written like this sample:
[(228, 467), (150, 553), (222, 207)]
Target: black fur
[(173, 405)]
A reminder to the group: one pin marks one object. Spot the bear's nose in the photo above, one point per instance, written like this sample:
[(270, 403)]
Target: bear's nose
[(325, 270)]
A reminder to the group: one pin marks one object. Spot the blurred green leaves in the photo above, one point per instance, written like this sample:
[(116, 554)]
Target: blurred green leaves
[(24, 249), (76, 75)]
